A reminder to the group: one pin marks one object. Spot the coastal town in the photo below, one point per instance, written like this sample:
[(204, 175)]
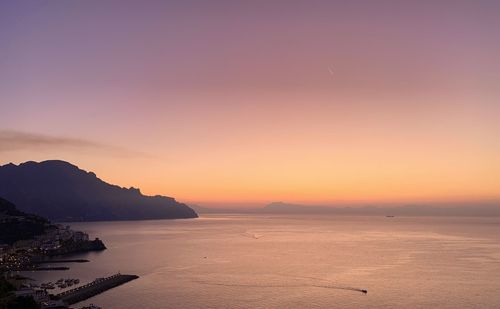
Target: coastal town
[(27, 254), (31, 255), (29, 243)]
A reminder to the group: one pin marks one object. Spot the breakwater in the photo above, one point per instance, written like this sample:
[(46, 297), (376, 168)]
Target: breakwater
[(93, 288), (50, 268), (60, 261)]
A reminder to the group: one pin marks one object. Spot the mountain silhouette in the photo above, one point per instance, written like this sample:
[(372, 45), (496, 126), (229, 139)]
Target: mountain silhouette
[(61, 191)]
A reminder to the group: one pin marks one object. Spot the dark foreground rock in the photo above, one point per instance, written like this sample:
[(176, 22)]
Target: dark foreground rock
[(16, 225)]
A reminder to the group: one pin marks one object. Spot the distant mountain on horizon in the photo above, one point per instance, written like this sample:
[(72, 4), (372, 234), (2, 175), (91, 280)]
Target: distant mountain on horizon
[(491, 209), (403, 210), (61, 191)]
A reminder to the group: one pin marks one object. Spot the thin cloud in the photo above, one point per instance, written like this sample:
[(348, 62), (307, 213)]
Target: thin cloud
[(24, 141)]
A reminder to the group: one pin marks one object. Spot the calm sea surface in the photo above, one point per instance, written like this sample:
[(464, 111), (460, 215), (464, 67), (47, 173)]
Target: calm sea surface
[(262, 261)]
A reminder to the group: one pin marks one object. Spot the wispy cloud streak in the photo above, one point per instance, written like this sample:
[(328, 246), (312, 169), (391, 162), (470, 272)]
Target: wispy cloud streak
[(11, 140)]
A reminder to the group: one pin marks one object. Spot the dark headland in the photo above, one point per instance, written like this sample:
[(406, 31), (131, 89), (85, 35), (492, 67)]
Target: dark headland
[(61, 192)]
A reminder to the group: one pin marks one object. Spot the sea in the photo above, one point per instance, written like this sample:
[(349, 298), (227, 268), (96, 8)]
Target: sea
[(294, 261)]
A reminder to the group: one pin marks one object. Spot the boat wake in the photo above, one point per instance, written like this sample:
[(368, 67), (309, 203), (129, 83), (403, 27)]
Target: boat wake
[(252, 235), (330, 283), (282, 285)]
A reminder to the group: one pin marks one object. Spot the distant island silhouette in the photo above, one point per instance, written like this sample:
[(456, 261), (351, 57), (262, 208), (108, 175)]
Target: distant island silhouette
[(389, 211), (464, 209), (60, 191)]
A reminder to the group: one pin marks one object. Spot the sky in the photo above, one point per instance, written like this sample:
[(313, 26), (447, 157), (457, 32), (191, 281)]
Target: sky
[(240, 103)]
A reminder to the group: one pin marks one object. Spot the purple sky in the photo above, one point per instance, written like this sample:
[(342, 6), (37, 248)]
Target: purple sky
[(236, 102)]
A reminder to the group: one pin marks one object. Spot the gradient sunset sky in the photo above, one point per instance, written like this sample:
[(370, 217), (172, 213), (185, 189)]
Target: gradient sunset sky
[(248, 102)]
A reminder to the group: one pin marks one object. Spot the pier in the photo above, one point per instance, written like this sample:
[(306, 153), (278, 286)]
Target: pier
[(93, 288)]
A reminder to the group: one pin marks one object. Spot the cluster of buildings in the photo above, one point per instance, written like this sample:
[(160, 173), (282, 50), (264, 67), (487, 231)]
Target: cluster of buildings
[(19, 255), (52, 239), (22, 255)]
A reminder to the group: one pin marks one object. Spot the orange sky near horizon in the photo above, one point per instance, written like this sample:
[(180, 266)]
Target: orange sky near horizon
[(244, 104)]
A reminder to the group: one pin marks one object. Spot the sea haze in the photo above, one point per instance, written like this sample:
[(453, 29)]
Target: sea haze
[(296, 261)]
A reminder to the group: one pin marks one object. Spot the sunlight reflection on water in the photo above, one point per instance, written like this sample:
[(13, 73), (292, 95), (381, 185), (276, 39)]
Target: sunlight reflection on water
[(296, 262)]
